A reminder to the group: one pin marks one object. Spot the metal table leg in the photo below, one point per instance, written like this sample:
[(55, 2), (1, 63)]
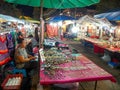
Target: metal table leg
[(95, 85)]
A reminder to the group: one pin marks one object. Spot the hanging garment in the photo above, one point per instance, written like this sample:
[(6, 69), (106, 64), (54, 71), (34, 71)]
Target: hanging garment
[(3, 47), (10, 45), (52, 31), (4, 58), (4, 55), (14, 37), (64, 28)]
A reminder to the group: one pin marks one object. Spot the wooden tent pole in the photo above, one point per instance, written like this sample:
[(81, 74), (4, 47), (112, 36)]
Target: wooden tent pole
[(41, 26)]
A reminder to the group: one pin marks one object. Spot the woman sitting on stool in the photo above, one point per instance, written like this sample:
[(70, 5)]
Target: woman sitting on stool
[(23, 60)]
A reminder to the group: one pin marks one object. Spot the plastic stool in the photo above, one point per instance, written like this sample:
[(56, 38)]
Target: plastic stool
[(113, 64), (23, 71), (17, 70)]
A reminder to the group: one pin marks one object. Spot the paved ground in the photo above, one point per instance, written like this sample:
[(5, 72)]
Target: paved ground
[(88, 52), (102, 85)]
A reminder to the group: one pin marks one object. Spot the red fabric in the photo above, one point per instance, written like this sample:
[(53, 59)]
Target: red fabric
[(94, 37), (3, 40), (115, 60), (3, 51), (61, 37), (35, 50), (5, 61), (88, 72), (56, 31), (52, 31), (97, 37), (98, 49)]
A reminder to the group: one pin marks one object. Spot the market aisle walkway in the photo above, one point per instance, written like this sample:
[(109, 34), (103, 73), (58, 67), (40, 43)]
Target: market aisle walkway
[(88, 52)]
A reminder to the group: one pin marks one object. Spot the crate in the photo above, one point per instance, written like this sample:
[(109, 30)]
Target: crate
[(15, 85), (113, 64)]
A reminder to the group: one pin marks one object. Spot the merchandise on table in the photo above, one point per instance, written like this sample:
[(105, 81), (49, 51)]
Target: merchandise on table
[(112, 46), (55, 57), (75, 71)]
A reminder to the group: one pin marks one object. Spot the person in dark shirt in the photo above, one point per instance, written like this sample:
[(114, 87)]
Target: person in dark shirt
[(18, 35)]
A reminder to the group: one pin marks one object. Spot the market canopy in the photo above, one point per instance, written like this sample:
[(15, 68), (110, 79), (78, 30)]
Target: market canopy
[(60, 18), (104, 22), (85, 20), (2, 20), (112, 16), (29, 19), (10, 18), (58, 4)]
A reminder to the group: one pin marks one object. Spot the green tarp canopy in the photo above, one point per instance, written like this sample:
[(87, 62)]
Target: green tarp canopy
[(58, 4)]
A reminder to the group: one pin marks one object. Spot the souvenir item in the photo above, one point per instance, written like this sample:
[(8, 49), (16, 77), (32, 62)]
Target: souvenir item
[(53, 59)]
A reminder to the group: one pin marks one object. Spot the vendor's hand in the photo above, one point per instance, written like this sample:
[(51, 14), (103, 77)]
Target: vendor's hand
[(32, 58)]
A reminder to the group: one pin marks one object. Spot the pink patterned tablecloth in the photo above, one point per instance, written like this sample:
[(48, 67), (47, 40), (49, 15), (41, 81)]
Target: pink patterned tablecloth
[(76, 71)]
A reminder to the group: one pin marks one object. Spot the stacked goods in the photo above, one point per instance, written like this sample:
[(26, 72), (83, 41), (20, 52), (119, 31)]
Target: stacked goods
[(12, 82)]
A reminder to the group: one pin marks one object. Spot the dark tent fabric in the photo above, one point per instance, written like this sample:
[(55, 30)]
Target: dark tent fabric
[(111, 16)]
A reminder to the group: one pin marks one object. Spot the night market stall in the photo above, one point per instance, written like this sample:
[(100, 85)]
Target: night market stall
[(56, 26), (56, 67), (10, 18), (92, 27), (87, 27), (107, 44), (8, 41)]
